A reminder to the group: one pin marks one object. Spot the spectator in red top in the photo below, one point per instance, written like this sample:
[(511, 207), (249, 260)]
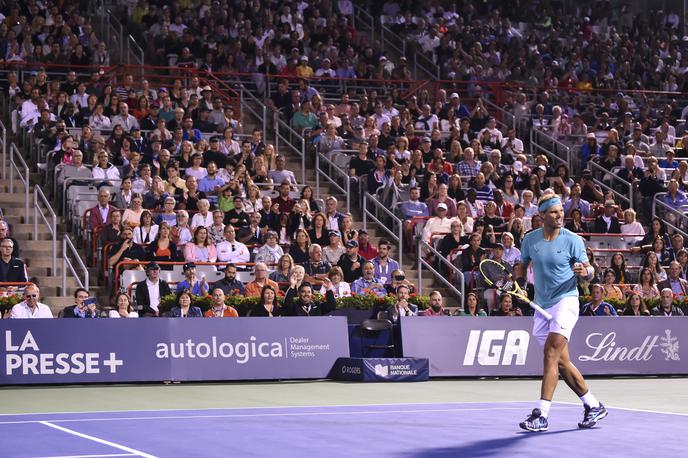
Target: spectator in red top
[(100, 214), (365, 248), (504, 209), (286, 203)]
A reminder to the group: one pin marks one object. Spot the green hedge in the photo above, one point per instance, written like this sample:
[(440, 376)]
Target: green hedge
[(243, 304)]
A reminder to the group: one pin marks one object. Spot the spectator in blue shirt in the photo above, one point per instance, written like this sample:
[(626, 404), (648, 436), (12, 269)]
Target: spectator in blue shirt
[(414, 207), (674, 197), (368, 283), (598, 307), (211, 183), (190, 132), (383, 266)]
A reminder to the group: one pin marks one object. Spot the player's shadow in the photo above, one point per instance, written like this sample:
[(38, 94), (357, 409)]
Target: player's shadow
[(486, 448)]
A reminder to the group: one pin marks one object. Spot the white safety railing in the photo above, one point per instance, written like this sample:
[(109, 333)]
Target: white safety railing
[(68, 249), (47, 217), (263, 116), (19, 168), (626, 195), (423, 247), (674, 218), (3, 147), (334, 175), (542, 142), (288, 138), (385, 220)]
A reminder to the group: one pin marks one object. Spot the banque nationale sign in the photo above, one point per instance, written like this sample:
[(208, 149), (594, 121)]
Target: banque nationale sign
[(464, 346), (109, 350)]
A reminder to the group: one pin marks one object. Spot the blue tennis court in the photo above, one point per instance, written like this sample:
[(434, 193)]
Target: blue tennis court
[(407, 430)]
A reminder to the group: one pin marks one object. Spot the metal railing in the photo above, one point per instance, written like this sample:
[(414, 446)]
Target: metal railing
[(134, 52), (673, 218), (68, 249), (424, 247), (334, 175), (285, 134), (18, 166), (626, 196), (364, 20), (542, 142), (504, 118), (51, 224), (263, 117), (3, 139), (388, 222)]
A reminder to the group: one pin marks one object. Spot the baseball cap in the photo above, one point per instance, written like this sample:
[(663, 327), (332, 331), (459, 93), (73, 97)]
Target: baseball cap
[(152, 266), (351, 244), (425, 139), (334, 234), (499, 245), (609, 203), (442, 206), (454, 95), (189, 265)]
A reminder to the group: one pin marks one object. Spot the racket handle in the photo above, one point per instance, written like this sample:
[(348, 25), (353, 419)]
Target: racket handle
[(542, 311)]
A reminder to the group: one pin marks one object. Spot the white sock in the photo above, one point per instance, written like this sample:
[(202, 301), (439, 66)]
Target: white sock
[(590, 400), (544, 407)]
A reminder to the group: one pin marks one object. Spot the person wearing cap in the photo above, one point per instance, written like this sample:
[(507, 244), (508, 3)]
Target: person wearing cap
[(198, 287), (639, 140), (335, 250), (303, 70), (440, 224), (365, 248), (325, 69), (149, 291), (351, 262), (607, 223)]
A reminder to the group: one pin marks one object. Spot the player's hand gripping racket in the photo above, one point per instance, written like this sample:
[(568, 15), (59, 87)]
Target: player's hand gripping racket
[(496, 276)]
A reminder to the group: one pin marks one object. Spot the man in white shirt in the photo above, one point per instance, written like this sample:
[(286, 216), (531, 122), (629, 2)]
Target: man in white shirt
[(511, 144), (281, 174), (30, 307), (232, 250), (124, 119), (437, 224)]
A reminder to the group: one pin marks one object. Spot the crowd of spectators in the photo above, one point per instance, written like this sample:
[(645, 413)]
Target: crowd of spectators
[(192, 187), (49, 32)]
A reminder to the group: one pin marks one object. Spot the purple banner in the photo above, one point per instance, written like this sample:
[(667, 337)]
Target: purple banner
[(463, 346), (160, 349)]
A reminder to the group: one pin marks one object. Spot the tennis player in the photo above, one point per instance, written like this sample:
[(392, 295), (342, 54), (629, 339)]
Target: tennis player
[(558, 256)]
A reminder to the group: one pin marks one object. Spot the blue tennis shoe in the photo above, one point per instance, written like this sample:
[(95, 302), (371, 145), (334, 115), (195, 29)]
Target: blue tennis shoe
[(592, 415), (535, 422)]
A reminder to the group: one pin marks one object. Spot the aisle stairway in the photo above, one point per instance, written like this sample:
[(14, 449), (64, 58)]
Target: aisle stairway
[(36, 246)]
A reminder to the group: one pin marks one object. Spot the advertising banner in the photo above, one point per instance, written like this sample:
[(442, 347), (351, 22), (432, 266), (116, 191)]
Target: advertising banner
[(463, 346), (381, 369), (161, 349)]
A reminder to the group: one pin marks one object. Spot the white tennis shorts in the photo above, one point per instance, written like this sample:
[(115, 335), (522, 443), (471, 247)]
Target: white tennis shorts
[(564, 317)]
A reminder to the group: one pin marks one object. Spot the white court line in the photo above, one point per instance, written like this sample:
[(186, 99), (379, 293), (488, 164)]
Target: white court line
[(322, 406), (629, 409), (96, 439), (261, 415), (89, 456)]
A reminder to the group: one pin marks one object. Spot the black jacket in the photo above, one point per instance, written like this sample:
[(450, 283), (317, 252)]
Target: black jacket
[(294, 307), (68, 312), (16, 271), (143, 298)]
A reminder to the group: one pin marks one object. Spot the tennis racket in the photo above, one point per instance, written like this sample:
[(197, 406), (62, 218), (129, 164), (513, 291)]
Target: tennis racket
[(496, 276)]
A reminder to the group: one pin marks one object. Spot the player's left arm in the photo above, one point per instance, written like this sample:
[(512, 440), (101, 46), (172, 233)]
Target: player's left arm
[(581, 264)]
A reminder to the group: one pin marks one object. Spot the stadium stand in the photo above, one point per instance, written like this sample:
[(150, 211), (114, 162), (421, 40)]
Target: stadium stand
[(301, 130)]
